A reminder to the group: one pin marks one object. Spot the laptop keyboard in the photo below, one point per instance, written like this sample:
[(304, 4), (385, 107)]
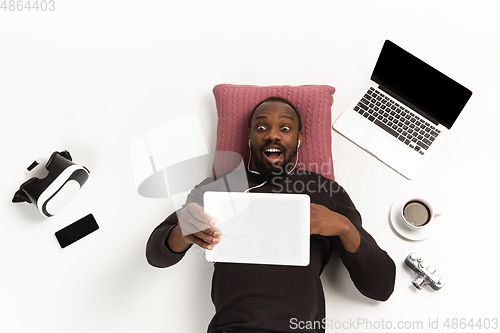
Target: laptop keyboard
[(397, 120)]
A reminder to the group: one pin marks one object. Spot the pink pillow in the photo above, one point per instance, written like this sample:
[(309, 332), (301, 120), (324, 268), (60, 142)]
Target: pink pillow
[(235, 102)]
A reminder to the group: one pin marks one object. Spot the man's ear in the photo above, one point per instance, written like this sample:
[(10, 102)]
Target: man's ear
[(300, 137)]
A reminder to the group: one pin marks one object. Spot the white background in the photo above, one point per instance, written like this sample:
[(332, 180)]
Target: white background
[(92, 76)]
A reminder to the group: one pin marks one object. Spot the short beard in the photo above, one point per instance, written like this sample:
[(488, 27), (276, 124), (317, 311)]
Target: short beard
[(269, 174), (276, 171)]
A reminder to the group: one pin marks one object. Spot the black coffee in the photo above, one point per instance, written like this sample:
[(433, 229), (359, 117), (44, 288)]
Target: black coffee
[(417, 213)]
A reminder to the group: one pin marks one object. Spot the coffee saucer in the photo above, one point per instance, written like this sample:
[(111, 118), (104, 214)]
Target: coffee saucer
[(401, 228)]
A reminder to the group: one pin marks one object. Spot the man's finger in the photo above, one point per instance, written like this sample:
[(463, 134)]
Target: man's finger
[(213, 232), (202, 243), (209, 238), (189, 220), (199, 213), (188, 229)]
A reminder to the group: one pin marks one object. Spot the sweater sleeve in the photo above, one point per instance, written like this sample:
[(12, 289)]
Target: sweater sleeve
[(158, 253), (371, 269)]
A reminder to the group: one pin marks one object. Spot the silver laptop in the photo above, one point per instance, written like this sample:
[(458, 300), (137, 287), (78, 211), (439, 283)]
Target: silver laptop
[(405, 110), (260, 228)]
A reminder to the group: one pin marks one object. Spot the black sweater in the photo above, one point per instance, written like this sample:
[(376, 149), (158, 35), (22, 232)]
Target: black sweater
[(265, 298)]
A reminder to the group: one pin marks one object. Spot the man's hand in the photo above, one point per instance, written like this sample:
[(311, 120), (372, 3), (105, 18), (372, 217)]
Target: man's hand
[(328, 223), (195, 227)]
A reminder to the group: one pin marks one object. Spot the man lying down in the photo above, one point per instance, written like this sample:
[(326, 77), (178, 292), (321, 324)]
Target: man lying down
[(264, 298)]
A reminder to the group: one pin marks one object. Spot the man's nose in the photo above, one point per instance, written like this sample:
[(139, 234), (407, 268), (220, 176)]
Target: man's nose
[(274, 135)]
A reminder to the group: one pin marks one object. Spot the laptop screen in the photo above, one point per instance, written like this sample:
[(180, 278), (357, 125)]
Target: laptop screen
[(419, 85)]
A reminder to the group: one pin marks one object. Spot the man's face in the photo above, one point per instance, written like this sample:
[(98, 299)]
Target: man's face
[(274, 134)]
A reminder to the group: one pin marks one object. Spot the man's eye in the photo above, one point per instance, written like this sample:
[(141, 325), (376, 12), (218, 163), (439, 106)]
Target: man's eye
[(261, 127), (285, 128)]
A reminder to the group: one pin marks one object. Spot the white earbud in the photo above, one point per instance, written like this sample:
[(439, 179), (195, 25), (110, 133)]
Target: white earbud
[(298, 146), (249, 143)]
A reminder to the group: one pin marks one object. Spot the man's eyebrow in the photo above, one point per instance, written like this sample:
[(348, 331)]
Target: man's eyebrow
[(281, 116), (286, 116)]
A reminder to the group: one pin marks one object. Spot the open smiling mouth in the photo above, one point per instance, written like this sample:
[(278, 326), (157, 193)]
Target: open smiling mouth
[(273, 155)]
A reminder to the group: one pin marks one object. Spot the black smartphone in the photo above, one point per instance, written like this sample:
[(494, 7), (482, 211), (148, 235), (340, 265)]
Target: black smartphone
[(76, 230)]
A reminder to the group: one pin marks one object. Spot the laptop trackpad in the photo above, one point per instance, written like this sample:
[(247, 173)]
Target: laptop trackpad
[(379, 143)]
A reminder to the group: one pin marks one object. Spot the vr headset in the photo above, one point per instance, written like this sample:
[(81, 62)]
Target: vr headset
[(51, 192)]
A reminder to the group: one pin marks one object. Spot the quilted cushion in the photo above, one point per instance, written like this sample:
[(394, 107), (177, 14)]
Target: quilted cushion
[(235, 102)]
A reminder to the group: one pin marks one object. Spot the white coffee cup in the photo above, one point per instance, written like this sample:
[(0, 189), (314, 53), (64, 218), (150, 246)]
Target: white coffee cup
[(418, 213)]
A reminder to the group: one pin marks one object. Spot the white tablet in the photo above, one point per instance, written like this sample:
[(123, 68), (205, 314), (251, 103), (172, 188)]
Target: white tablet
[(260, 228)]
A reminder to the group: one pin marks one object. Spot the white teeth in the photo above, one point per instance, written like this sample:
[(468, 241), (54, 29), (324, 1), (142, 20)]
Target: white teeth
[(273, 150)]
